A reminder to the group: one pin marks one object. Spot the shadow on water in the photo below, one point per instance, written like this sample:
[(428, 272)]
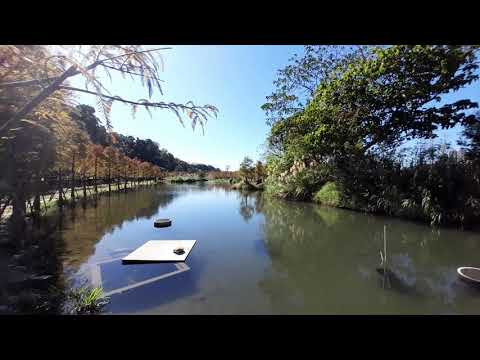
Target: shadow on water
[(32, 272), (157, 293)]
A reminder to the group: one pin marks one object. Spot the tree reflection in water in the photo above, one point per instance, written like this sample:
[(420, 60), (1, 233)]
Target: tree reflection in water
[(324, 260), (247, 205), (108, 214)]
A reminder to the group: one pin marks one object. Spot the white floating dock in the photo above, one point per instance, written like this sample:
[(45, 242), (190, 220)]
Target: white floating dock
[(160, 251)]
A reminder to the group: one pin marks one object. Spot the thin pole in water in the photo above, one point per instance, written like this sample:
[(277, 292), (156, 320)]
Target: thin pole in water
[(386, 277), (385, 243)]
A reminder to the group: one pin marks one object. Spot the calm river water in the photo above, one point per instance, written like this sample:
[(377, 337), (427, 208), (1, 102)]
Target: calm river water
[(260, 256)]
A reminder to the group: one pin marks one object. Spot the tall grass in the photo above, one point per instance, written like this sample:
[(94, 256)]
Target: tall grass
[(85, 300)]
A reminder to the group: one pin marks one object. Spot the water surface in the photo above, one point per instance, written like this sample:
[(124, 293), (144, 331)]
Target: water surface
[(261, 256)]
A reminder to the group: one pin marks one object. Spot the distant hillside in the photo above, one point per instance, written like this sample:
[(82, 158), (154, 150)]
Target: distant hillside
[(148, 150), (143, 149)]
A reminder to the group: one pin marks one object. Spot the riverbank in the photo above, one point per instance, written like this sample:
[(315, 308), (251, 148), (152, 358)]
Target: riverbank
[(331, 195)]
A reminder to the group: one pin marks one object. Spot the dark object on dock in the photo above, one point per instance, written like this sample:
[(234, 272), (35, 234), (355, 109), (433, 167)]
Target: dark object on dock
[(162, 223), (179, 251), (469, 274)]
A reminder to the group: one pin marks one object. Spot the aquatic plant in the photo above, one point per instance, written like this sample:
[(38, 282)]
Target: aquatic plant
[(85, 300)]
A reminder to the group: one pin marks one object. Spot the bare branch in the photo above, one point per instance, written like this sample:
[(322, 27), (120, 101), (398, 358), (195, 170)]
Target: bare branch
[(129, 72), (201, 111), (98, 62)]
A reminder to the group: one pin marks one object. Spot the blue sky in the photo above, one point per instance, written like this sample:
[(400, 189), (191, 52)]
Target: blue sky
[(236, 79)]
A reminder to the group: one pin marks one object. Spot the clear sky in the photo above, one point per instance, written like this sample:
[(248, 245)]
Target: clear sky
[(236, 79)]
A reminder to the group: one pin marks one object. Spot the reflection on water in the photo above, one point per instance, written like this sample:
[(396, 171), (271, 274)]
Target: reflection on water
[(259, 256), (329, 257), (107, 215), (247, 208)]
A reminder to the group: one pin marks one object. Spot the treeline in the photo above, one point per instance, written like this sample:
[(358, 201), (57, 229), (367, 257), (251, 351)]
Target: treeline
[(51, 151), (357, 127), (134, 148), (45, 166)]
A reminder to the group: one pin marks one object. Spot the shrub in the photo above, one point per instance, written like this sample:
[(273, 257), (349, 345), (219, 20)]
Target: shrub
[(328, 195)]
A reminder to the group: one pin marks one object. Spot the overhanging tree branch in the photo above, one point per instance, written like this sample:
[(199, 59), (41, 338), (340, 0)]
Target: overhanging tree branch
[(195, 112), (162, 105), (89, 67), (129, 72), (148, 72)]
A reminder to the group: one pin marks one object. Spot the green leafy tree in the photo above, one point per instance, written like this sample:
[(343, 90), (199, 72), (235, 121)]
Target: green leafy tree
[(297, 82), (247, 169), (351, 130), (471, 139), (259, 172), (202, 175), (379, 102), (85, 116), (389, 99)]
